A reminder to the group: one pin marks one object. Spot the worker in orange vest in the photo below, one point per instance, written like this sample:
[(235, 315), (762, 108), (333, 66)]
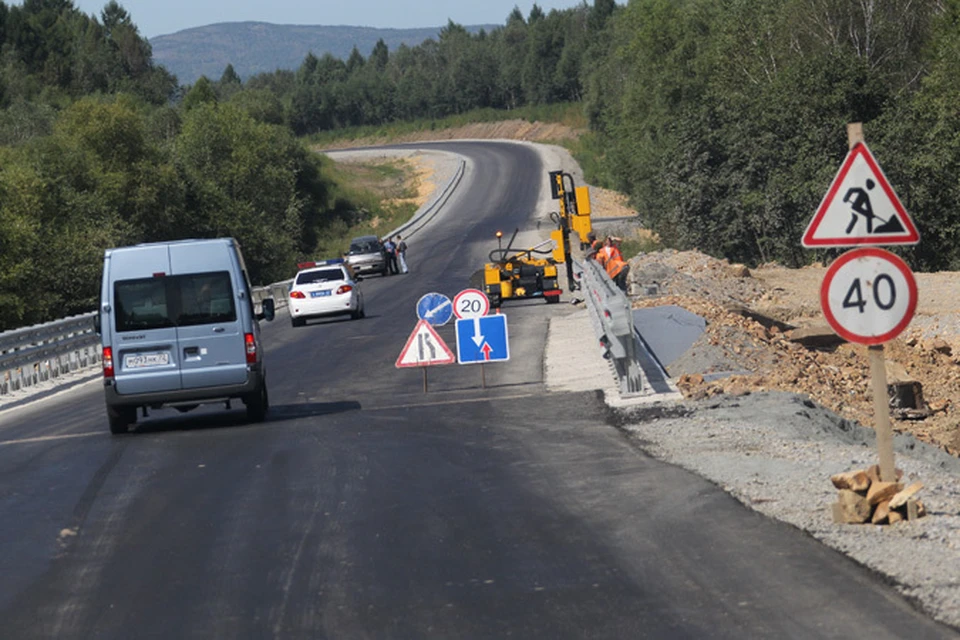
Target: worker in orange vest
[(612, 260), (618, 270), (608, 251)]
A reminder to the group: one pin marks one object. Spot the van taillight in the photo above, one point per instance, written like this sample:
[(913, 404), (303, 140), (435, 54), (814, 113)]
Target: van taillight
[(251, 348), (108, 362)]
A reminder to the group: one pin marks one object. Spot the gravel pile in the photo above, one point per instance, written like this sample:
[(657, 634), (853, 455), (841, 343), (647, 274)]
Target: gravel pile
[(775, 452)]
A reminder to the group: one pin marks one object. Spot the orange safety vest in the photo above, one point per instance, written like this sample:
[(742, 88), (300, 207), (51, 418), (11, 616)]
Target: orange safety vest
[(614, 265), (608, 253)]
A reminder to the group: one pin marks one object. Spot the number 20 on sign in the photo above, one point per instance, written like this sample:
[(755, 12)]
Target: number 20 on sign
[(868, 296)]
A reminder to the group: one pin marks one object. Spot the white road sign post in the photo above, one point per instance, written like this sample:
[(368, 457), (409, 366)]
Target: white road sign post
[(868, 295), (472, 304)]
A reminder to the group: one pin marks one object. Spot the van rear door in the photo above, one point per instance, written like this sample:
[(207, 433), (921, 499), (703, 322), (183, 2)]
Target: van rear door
[(143, 321), (212, 351)]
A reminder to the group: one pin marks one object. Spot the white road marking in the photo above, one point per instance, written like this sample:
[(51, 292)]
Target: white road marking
[(65, 436)]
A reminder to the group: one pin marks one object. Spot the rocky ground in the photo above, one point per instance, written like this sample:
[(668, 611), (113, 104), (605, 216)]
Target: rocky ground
[(750, 315)]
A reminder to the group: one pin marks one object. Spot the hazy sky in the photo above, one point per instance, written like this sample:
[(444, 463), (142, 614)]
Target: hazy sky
[(156, 17)]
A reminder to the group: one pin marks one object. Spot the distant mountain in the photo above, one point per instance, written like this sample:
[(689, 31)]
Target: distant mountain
[(255, 47)]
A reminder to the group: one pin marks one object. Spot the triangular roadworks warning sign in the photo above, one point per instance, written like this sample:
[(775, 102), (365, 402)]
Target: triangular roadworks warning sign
[(860, 208), (425, 347)]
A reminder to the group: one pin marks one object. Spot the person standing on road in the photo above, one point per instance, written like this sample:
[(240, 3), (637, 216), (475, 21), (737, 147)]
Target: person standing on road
[(391, 250), (402, 254)]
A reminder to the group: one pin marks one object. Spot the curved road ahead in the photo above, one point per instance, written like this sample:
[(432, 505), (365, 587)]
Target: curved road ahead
[(364, 508)]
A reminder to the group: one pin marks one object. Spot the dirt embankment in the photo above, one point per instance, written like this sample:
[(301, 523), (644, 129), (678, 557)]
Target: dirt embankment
[(749, 317)]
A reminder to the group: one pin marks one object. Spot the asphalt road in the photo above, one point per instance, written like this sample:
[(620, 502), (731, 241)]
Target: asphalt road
[(366, 508)]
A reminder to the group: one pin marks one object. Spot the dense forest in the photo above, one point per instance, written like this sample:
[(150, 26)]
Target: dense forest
[(724, 121)]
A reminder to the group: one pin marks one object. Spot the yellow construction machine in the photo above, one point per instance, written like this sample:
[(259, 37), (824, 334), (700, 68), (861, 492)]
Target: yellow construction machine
[(532, 273)]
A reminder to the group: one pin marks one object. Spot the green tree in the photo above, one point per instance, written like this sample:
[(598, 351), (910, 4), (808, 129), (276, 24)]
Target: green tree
[(202, 92)]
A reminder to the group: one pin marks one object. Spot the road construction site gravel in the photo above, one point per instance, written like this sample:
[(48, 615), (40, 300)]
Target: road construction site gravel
[(775, 452)]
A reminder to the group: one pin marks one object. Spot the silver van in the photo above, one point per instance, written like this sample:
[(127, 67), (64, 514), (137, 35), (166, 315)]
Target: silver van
[(179, 329)]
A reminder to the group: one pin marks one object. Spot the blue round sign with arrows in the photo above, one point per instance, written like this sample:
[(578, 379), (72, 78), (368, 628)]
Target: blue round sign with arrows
[(435, 308)]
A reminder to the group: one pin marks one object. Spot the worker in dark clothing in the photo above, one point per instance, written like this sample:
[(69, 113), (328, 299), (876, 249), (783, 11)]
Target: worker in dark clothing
[(593, 246), (391, 249)]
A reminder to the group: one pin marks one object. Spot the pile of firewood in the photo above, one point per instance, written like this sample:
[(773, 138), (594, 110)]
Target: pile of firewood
[(863, 497)]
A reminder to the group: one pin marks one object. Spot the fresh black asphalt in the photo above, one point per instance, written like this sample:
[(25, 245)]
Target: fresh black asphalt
[(366, 508)]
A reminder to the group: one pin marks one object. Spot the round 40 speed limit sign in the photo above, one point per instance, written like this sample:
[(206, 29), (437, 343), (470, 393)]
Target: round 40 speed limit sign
[(868, 295)]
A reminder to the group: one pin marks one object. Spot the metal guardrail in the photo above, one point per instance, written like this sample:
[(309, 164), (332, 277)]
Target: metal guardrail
[(42, 352), (39, 353), (611, 315), (429, 211)]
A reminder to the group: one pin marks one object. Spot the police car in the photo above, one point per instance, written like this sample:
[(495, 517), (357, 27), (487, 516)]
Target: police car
[(322, 289)]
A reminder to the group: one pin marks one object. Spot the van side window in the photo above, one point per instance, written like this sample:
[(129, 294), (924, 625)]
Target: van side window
[(169, 301)]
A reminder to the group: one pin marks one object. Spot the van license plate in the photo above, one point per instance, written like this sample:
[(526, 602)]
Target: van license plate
[(320, 294), (140, 360)]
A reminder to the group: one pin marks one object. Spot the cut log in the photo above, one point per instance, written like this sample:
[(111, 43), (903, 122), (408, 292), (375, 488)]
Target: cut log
[(901, 497), (912, 509), (851, 508), (880, 491), (894, 517), (853, 480), (881, 513)]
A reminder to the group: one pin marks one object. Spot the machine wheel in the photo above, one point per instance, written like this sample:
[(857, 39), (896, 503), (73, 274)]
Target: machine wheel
[(297, 322), (552, 299), (120, 419), (257, 403), (495, 301)]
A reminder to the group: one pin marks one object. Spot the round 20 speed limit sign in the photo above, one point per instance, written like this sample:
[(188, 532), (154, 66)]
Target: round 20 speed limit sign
[(868, 295), (471, 303)]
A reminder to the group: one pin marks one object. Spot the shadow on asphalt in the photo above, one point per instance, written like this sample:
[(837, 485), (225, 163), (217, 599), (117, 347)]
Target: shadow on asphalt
[(238, 418)]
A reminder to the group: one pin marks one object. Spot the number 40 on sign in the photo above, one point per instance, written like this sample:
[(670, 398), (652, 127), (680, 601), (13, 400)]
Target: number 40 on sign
[(868, 296)]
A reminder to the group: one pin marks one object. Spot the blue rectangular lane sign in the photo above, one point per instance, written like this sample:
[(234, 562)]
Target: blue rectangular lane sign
[(482, 339)]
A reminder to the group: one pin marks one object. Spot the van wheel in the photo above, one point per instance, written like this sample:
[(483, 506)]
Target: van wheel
[(257, 404), (120, 418)]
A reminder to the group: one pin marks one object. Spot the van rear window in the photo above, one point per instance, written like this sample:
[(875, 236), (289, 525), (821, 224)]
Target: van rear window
[(174, 301), (320, 275)]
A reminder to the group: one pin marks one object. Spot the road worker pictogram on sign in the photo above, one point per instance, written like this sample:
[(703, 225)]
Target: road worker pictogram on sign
[(860, 208)]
